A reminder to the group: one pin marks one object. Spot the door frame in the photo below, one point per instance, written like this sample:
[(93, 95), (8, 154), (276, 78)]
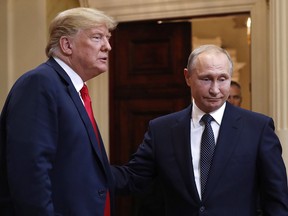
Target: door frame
[(153, 9)]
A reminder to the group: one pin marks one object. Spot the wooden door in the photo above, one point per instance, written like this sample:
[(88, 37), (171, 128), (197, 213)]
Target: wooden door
[(146, 81)]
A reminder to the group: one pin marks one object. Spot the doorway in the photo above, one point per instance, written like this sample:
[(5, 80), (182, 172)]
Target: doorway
[(146, 81)]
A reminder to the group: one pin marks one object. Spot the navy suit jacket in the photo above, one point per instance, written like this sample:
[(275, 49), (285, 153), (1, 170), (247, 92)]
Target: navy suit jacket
[(247, 161), (50, 160)]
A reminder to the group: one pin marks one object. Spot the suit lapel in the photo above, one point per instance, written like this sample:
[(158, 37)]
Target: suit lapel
[(182, 149), (81, 109), (226, 143), (79, 105)]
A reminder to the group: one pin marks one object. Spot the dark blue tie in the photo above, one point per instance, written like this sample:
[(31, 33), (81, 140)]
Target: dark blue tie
[(207, 151)]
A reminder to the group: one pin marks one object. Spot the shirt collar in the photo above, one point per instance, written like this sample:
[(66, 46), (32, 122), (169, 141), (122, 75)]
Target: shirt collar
[(197, 114), (75, 78)]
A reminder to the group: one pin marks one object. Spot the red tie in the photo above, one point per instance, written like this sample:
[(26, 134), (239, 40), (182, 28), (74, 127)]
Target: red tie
[(88, 106)]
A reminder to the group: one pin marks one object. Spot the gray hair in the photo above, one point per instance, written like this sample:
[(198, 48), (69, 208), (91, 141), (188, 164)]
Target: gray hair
[(69, 22), (207, 48)]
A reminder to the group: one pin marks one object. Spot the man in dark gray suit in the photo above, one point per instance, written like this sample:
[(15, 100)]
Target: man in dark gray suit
[(246, 161)]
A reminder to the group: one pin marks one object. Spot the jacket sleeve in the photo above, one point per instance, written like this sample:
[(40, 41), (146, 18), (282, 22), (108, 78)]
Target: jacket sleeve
[(272, 172), (31, 129), (138, 173)]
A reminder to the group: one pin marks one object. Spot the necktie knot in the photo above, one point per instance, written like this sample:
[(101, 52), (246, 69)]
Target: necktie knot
[(207, 118), (84, 91)]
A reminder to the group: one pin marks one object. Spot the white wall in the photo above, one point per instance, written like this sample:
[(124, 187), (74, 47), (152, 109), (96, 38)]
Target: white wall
[(22, 40)]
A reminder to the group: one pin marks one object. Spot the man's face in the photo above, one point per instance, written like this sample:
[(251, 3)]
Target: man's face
[(90, 50), (235, 96), (210, 81)]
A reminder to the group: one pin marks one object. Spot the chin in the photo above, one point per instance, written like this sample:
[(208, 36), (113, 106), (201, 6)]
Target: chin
[(100, 72), (212, 108)]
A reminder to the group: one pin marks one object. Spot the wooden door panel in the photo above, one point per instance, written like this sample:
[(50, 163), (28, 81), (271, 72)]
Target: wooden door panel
[(151, 52), (146, 81), (134, 116)]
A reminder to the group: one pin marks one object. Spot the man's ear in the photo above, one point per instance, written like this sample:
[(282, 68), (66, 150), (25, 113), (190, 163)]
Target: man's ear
[(65, 44), (187, 76)]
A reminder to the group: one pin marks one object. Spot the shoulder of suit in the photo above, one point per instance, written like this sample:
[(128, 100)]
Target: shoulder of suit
[(184, 113), (248, 113)]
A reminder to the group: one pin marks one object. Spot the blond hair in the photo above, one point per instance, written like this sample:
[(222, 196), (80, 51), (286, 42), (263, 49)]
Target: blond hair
[(69, 22)]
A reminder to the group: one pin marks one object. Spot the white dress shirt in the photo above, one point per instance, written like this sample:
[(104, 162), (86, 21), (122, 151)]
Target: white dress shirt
[(197, 129), (75, 78)]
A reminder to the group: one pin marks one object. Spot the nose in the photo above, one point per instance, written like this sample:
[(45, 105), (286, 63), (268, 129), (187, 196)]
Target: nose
[(214, 88), (106, 44)]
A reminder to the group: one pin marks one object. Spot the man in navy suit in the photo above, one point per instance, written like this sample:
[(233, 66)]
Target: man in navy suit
[(51, 161), (247, 159)]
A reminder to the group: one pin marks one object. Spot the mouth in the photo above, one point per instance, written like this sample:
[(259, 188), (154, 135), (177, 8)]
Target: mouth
[(103, 59), (213, 99)]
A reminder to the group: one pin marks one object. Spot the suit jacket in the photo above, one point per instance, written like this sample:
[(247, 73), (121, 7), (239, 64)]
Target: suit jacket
[(50, 160), (247, 161)]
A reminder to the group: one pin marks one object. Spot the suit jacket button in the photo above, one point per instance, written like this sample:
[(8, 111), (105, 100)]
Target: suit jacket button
[(202, 209), (101, 193)]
